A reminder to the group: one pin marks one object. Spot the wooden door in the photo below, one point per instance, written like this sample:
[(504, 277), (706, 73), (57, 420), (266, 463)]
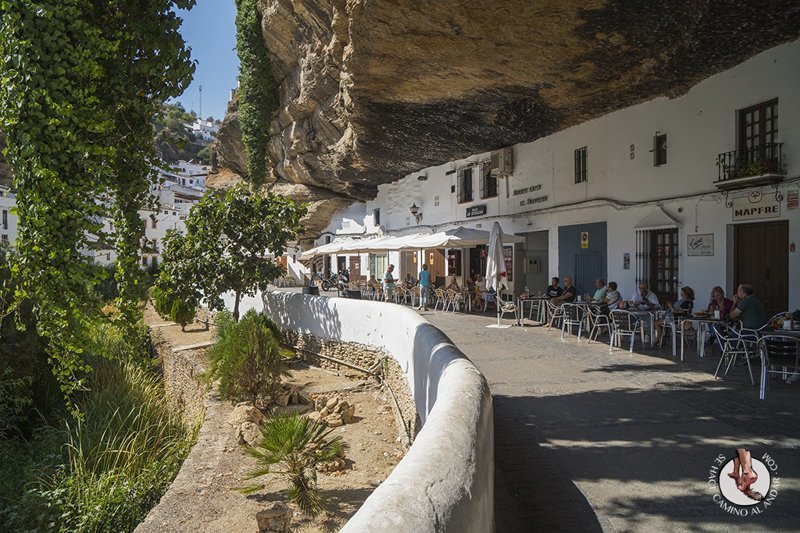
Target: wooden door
[(355, 268), (762, 259)]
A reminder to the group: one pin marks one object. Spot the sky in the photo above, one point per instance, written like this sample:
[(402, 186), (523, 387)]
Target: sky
[(210, 31)]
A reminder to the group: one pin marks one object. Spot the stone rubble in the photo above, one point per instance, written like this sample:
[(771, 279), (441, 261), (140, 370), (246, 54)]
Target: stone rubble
[(276, 518)]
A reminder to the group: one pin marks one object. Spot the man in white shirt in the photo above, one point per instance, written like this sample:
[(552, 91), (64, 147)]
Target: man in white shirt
[(644, 296)]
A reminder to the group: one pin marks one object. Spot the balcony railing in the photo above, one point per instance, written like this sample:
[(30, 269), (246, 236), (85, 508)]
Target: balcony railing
[(762, 160)]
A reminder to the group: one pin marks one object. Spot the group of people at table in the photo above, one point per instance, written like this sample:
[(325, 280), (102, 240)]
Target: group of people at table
[(744, 306)]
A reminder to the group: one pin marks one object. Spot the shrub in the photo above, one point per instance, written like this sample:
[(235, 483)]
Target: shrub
[(248, 357), (296, 444), (183, 313)]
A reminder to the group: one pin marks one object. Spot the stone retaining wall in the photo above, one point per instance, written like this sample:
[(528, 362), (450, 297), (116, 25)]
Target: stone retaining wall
[(185, 388), (446, 480), (368, 358)]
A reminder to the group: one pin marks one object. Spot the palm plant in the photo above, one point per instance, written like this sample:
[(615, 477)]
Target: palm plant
[(295, 445)]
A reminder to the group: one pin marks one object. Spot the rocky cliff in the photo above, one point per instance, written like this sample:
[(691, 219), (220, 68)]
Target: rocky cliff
[(371, 90)]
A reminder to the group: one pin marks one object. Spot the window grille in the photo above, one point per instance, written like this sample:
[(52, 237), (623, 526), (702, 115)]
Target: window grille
[(660, 149), (488, 184), (580, 165), (657, 262), (464, 188)]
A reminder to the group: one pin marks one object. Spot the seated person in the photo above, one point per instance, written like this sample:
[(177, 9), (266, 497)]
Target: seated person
[(718, 302), (470, 281), (644, 297), (372, 283), (553, 289), (612, 299), (600, 293), (682, 307), (452, 285), (569, 294), (748, 308), (480, 288), (409, 280)]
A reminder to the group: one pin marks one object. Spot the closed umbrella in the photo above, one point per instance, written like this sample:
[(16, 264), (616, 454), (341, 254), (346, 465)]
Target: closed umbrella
[(496, 275)]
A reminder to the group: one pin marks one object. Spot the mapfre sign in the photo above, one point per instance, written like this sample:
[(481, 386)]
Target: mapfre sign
[(756, 206)]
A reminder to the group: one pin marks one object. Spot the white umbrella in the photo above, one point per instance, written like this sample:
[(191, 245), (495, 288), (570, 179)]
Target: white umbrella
[(496, 275)]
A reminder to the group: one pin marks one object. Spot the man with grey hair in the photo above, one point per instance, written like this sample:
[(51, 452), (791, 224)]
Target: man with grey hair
[(600, 293), (388, 283)]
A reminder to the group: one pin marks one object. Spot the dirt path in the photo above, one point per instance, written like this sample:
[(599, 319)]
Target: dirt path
[(203, 496)]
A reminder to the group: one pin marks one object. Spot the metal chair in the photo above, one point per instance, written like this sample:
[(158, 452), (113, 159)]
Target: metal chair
[(672, 323), (734, 343), (454, 300), (624, 324), (556, 313), (778, 350), (599, 320), (505, 306), (573, 316), (441, 298)]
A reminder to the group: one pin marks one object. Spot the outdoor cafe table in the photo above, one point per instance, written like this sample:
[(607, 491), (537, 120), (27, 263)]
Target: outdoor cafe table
[(649, 315), (542, 309), (704, 322)]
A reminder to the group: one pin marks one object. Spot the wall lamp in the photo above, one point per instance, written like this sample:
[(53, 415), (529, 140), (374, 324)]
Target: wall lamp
[(415, 211)]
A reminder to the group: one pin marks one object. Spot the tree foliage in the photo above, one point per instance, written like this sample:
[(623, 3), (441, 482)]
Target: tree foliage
[(81, 82), (228, 246), (258, 93)]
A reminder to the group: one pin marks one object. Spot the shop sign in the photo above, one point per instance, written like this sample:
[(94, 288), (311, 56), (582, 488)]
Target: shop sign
[(702, 244), (756, 206), (584, 240), (791, 199), (476, 210), (626, 261)]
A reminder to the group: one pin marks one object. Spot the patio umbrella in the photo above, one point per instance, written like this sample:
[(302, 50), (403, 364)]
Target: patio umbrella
[(496, 275)]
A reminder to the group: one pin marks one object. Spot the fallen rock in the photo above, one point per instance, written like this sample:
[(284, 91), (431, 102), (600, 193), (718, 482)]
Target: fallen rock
[(245, 412), (248, 433), (274, 519), (332, 466), (282, 399), (314, 416), (331, 403), (334, 420)]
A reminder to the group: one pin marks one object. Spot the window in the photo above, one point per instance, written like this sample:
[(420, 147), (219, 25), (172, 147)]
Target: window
[(5, 238), (464, 187), (376, 217), (454, 262), (5, 219), (488, 184), (660, 149), (758, 133), (580, 165), (144, 260), (154, 222)]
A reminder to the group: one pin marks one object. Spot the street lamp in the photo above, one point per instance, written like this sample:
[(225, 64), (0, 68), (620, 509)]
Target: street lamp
[(415, 211)]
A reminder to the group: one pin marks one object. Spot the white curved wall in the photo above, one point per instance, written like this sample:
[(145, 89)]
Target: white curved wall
[(446, 481)]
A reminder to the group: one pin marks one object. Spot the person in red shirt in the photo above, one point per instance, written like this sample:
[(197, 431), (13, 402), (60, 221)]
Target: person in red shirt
[(719, 302)]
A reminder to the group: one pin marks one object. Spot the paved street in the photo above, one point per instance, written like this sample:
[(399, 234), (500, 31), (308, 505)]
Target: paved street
[(586, 440)]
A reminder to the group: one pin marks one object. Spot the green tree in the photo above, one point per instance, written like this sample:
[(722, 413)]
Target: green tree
[(229, 244), (295, 445), (81, 82), (248, 357)]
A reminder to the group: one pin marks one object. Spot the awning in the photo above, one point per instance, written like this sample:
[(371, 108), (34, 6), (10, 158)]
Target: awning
[(459, 237), (657, 219)]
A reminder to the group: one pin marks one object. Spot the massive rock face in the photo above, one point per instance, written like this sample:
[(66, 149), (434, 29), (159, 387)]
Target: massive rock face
[(372, 90)]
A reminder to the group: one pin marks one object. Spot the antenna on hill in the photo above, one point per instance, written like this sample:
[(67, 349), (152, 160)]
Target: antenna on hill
[(200, 90)]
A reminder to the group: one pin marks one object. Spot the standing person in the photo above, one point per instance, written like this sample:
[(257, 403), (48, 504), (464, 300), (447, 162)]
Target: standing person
[(424, 288), (388, 283), (748, 308), (553, 289)]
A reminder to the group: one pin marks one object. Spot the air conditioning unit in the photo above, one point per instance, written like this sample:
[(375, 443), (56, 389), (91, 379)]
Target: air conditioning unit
[(503, 162)]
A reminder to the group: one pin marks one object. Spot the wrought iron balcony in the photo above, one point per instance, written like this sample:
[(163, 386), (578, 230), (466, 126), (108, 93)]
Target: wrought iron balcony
[(761, 164)]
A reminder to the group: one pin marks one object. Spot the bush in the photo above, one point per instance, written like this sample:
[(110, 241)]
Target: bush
[(183, 313), (248, 357), (296, 444)]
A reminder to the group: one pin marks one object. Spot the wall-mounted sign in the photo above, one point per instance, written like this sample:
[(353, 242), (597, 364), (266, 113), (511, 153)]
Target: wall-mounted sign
[(584, 240), (700, 244), (508, 257), (626, 261), (476, 210), (791, 199), (756, 206), (534, 200), (526, 190)]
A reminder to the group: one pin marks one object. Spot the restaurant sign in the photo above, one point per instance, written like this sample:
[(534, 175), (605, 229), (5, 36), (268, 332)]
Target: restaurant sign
[(702, 244), (476, 210), (756, 206)]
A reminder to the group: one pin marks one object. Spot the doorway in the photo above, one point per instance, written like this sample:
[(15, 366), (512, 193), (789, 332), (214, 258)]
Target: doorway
[(408, 264), (761, 258)]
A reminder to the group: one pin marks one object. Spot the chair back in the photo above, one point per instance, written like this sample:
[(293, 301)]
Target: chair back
[(624, 320), (572, 312), (780, 349)]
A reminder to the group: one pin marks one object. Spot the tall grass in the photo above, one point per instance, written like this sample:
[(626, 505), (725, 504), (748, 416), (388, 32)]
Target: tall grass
[(116, 463)]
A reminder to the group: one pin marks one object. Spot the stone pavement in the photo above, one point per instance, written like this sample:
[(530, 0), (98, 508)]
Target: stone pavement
[(586, 440)]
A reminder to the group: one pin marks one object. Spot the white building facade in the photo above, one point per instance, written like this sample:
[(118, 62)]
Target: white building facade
[(8, 219), (699, 190)]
